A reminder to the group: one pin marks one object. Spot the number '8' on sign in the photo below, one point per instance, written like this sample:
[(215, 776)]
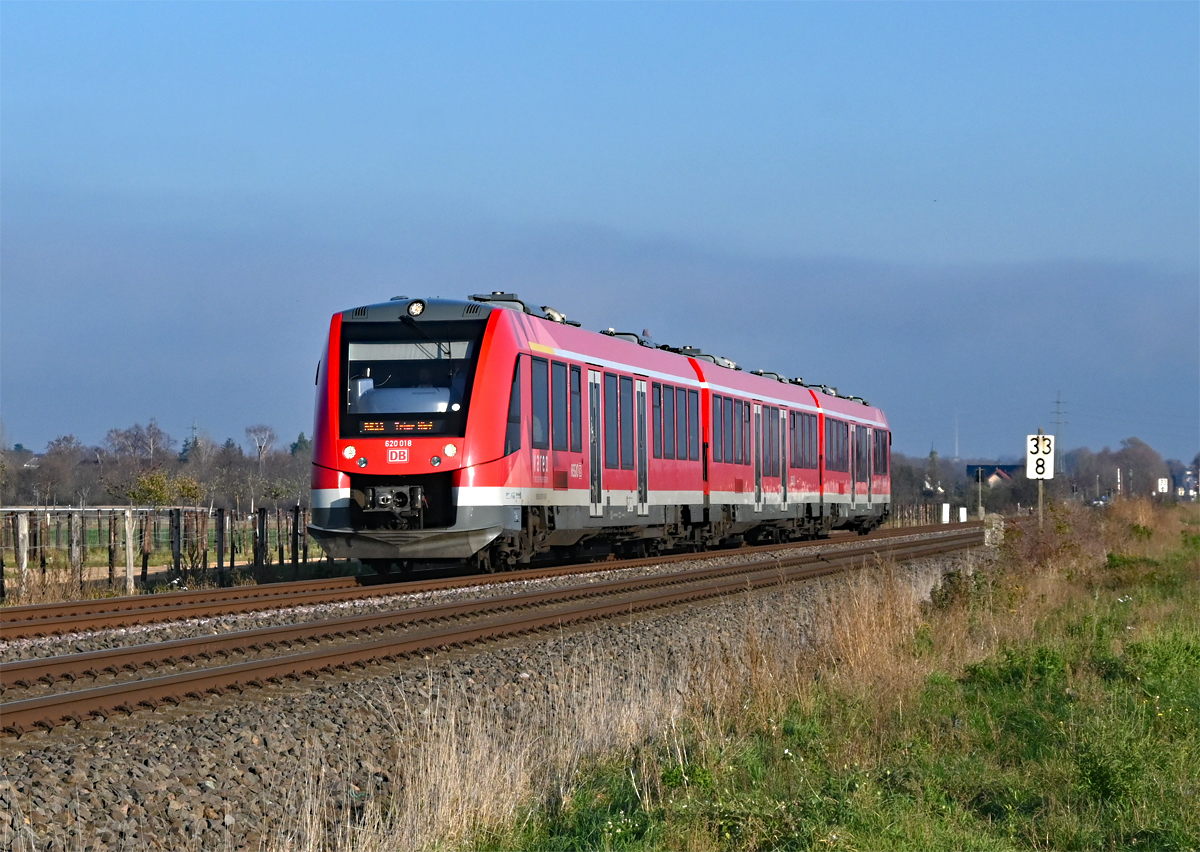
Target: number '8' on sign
[(1039, 457)]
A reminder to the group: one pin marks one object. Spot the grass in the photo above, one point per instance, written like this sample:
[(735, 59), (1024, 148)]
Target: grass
[(1050, 702)]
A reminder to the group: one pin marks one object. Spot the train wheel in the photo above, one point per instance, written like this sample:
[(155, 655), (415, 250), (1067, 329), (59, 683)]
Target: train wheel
[(382, 567)]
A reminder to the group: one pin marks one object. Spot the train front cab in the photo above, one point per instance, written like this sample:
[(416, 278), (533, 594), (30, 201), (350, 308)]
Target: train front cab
[(410, 410)]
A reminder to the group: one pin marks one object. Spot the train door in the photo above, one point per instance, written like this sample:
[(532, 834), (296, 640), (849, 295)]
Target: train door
[(596, 452), (642, 464), (784, 437), (853, 449), (758, 457), (868, 466)]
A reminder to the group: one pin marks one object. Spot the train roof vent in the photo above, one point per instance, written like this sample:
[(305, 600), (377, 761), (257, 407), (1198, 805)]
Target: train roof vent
[(629, 336), (797, 381), (471, 309), (360, 313), (825, 389), (859, 399), (767, 374), (508, 300)]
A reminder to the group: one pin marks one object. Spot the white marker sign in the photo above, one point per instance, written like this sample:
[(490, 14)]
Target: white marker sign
[(1039, 457), (1164, 486)]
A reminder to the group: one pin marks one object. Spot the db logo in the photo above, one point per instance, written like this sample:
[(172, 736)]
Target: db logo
[(399, 456)]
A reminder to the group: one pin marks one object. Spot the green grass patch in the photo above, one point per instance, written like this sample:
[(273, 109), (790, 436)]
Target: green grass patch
[(1085, 736)]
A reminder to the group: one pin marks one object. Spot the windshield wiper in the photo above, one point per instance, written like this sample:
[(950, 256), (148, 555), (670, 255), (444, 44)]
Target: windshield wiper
[(416, 327)]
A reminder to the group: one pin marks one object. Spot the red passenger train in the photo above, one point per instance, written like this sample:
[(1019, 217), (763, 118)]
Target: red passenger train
[(491, 432)]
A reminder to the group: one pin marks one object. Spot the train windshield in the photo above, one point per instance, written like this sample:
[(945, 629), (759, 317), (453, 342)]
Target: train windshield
[(408, 377)]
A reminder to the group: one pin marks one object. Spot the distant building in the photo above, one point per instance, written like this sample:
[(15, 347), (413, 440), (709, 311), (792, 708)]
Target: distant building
[(993, 474)]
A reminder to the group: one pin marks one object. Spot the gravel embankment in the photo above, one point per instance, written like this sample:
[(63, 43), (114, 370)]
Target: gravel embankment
[(223, 773)]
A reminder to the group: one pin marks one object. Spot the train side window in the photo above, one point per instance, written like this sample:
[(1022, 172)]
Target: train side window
[(815, 438), (728, 430), (737, 428), (668, 422), (541, 404), (512, 434), (718, 423), (694, 425), (681, 445), (791, 427), (558, 395), (612, 451), (773, 416), (656, 427), (747, 434), (816, 441), (576, 410), (626, 423), (881, 452)]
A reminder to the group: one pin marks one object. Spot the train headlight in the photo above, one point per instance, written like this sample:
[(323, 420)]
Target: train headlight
[(348, 452), (416, 308), (362, 462), (450, 450), (435, 461)]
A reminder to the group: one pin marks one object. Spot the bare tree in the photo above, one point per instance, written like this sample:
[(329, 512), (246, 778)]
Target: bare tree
[(138, 441), (263, 437)]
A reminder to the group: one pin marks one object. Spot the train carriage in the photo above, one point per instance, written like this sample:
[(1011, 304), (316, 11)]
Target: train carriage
[(491, 432)]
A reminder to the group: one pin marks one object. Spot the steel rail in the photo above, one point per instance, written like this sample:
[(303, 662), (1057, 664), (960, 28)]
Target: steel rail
[(131, 658), (76, 616), (52, 710)]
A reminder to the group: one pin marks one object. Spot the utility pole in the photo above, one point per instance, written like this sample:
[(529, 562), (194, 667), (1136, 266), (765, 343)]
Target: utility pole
[(1059, 422)]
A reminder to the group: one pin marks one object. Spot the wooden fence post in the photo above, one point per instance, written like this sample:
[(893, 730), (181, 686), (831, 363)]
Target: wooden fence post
[(23, 553), (296, 542), (204, 541), (279, 535), (112, 548), (147, 546), (129, 551), (260, 540), (176, 544), (304, 536), (220, 547), (74, 548), (3, 580)]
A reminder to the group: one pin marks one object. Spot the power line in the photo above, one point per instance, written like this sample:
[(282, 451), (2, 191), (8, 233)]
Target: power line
[(1059, 422)]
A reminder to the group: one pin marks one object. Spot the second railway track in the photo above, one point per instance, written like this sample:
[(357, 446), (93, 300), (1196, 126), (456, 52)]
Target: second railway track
[(358, 641), (20, 622)]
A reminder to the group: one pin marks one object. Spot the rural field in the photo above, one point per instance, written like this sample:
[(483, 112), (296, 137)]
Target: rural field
[(1043, 699)]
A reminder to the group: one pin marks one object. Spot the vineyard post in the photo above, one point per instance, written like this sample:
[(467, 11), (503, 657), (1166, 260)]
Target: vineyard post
[(129, 551), (23, 553)]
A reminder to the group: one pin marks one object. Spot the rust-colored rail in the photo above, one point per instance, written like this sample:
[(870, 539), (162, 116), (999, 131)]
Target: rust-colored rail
[(469, 622), (77, 616)]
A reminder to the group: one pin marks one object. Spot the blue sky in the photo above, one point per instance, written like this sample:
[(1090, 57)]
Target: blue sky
[(955, 210)]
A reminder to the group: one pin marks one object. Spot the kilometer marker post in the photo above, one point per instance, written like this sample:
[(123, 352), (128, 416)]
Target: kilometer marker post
[(1039, 463)]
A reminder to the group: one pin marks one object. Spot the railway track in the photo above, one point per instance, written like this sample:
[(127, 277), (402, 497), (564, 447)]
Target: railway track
[(20, 622), (362, 640)]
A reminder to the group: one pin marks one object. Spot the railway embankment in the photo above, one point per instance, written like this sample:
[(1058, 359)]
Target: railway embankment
[(434, 750), (1048, 701)]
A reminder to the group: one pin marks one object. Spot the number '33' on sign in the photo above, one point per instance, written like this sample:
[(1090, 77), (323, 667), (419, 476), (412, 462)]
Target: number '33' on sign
[(1039, 457)]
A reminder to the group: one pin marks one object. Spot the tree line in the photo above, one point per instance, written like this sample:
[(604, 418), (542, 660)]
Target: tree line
[(143, 465), (1085, 476)]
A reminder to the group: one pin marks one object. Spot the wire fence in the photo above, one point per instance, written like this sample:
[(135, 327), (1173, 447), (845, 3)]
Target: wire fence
[(82, 547)]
